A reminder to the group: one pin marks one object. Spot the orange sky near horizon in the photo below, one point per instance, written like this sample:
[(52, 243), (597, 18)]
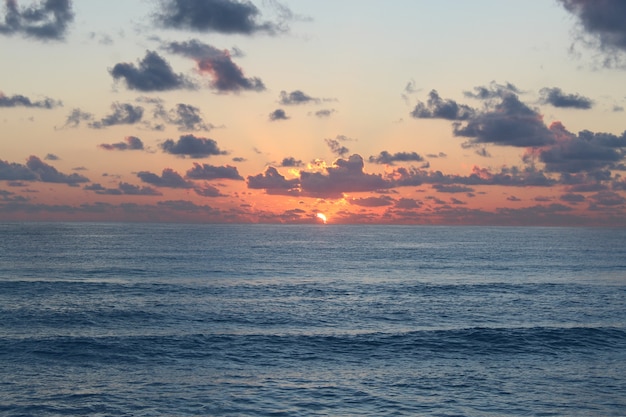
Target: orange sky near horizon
[(407, 112)]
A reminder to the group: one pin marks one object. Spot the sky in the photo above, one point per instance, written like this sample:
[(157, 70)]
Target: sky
[(273, 111)]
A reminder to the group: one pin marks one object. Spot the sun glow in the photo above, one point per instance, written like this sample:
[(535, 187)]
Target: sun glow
[(322, 217)]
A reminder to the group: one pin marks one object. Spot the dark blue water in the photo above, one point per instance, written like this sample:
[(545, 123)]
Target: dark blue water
[(267, 320)]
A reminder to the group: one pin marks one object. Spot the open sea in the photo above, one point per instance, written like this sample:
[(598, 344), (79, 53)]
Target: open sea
[(311, 320)]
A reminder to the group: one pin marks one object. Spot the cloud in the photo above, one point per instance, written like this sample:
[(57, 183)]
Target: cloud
[(226, 75), (153, 73), (76, 117), (49, 20), (290, 161), (169, 178), (407, 204), (372, 201), (438, 108), (608, 198), (586, 151), (208, 191), (345, 175), (324, 113), (278, 114), (19, 100), (507, 121), (47, 173), (123, 188), (51, 157), (444, 188), (130, 143), (211, 172), (273, 182), (123, 113), (483, 152), (507, 176), (572, 198), (336, 147), (386, 158), (492, 91), (296, 97), (222, 16), (557, 98), (605, 20), (11, 171), (192, 146), (185, 116)]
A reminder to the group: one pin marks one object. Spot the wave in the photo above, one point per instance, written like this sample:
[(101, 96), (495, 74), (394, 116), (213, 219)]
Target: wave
[(423, 344)]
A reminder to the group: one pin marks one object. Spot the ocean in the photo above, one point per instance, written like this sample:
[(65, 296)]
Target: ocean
[(120, 319)]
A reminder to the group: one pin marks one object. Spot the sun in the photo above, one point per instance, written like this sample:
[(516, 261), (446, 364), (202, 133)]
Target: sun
[(322, 217)]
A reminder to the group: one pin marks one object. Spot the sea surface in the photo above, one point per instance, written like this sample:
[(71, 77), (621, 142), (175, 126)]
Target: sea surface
[(311, 320)]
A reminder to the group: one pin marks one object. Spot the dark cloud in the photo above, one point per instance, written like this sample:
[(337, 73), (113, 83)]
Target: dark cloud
[(290, 161), (372, 201), (194, 147), (572, 198), (273, 182), (336, 147), (18, 100), (586, 151), (226, 75), (211, 172), (223, 16), (324, 113), (185, 116), (76, 117), (407, 203), (444, 188), (51, 157), (169, 178), (48, 20), (123, 113), (11, 197), (153, 73), (296, 97), (438, 108), (130, 143), (603, 19), (410, 87), (11, 171), (557, 98), (492, 91), (386, 158), (47, 173), (608, 198), (208, 191), (345, 175), (483, 152), (512, 177), (278, 114), (506, 122), (124, 188)]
